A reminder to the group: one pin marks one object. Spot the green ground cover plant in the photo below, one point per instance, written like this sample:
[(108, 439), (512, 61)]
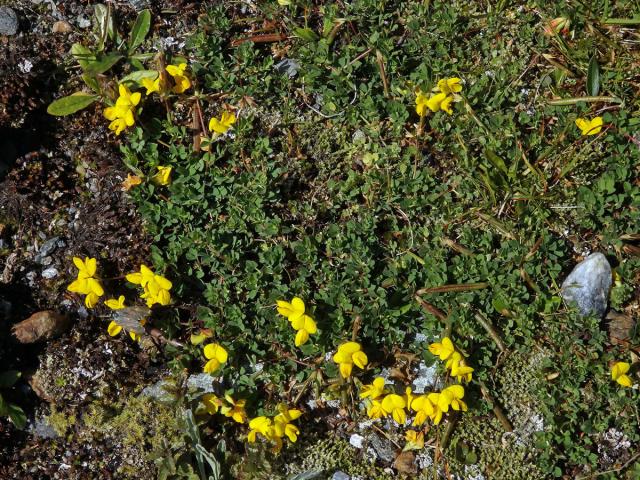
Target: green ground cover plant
[(399, 229)]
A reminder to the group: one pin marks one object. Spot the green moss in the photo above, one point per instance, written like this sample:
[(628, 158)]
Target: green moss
[(60, 421)]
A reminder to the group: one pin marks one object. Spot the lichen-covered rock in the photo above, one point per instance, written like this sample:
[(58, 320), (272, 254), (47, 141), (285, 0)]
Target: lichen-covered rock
[(587, 286)]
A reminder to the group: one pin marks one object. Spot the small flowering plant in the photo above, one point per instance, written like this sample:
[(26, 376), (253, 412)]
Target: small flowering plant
[(442, 98), (86, 283)]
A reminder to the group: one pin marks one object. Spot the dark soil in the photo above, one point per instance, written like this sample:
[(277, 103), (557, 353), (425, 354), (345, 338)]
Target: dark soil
[(60, 196)]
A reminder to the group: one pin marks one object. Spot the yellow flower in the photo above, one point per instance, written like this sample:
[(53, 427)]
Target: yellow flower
[(156, 287), (216, 355), (305, 326), (394, 405), (434, 399), (293, 311), (449, 86), (442, 349), (182, 82), (348, 354), (91, 300), (452, 397), (114, 304), (85, 282), (262, 426), (282, 423), (130, 182), (163, 177), (424, 409), (619, 374), (421, 103), (224, 124), (408, 395), (235, 408), (415, 440), (459, 368), (435, 102), (122, 113), (375, 410), (151, 85), (211, 403), (375, 390), (589, 127)]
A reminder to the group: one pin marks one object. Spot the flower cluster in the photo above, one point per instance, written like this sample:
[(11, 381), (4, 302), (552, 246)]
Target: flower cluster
[(216, 356), (122, 113), (86, 282), (619, 374), (302, 323), (445, 93), (382, 403), (227, 406), (348, 355), (181, 82), (445, 350), (277, 428), (155, 287)]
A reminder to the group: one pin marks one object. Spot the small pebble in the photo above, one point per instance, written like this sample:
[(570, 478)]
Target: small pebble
[(8, 21), (62, 27), (83, 22), (49, 273)]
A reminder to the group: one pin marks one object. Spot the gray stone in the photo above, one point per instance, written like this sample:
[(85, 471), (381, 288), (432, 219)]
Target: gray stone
[(160, 391), (139, 4), (48, 247), (287, 67), (83, 21), (41, 428), (8, 21), (587, 286), (340, 475), (202, 382), (49, 273), (382, 447)]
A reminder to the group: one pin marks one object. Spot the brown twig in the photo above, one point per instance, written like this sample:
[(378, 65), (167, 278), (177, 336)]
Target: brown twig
[(383, 73), (436, 312), (486, 324), (459, 287), (497, 411), (265, 38)]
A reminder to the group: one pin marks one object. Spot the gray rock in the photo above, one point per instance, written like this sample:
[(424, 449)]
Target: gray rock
[(41, 428), (587, 286), (383, 448), (83, 21), (49, 273), (160, 391), (340, 475), (139, 4), (202, 382), (48, 247), (8, 21), (287, 67)]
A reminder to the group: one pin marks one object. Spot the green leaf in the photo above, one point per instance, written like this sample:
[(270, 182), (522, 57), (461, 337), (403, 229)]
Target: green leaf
[(9, 378), (137, 76), (496, 161), (83, 55), (306, 34), (103, 63), (593, 77), (71, 104), (140, 30), (92, 82), (102, 18), (17, 416)]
